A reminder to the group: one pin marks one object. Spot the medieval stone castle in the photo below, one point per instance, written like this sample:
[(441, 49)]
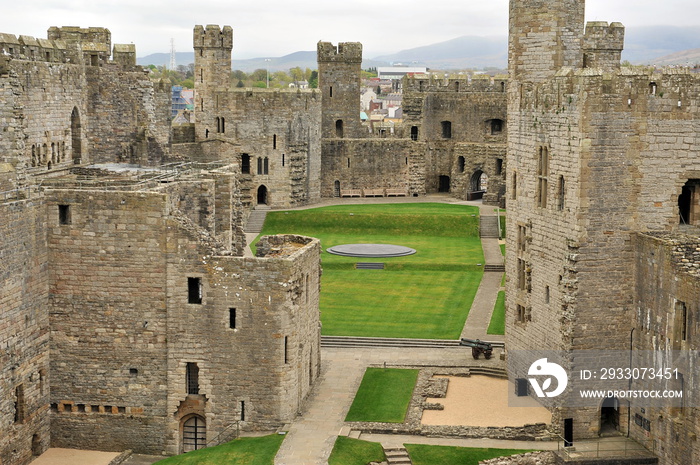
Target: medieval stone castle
[(130, 317)]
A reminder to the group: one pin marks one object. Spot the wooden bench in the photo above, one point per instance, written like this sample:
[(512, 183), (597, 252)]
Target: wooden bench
[(350, 193), (374, 192), (396, 193), (475, 195)]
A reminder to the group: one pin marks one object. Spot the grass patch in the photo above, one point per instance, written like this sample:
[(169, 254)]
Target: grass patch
[(503, 280), (383, 396), (241, 451), (503, 249), (426, 295), (447, 455), (348, 451), (498, 317)]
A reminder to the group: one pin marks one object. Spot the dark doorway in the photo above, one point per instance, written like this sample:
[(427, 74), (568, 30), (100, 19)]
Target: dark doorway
[(689, 203), (568, 432), (609, 416), (444, 184), (336, 189), (262, 195)]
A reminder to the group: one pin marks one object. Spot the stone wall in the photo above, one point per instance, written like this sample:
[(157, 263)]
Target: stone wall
[(667, 281), (107, 269), (24, 331)]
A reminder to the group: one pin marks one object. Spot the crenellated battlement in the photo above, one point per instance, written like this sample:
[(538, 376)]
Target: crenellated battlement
[(454, 83), (68, 45), (603, 44), (345, 52), (213, 37)]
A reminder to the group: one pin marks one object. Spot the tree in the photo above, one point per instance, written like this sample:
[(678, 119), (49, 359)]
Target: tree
[(313, 80), (240, 84), (297, 74), (240, 75), (259, 75)]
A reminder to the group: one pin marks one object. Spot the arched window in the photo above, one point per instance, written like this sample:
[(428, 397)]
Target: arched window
[(652, 88), (76, 138), (446, 129), (339, 129), (266, 165)]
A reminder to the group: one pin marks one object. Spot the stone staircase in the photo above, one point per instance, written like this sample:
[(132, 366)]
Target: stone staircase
[(488, 226), (256, 219), (494, 268), (350, 341), (397, 456)]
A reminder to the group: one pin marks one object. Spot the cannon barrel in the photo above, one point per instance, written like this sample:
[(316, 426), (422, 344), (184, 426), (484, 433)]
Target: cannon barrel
[(483, 345)]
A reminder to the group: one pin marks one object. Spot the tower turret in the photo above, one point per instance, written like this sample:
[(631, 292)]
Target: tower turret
[(339, 80)]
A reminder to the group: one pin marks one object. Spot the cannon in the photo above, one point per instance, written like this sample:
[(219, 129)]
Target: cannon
[(478, 347)]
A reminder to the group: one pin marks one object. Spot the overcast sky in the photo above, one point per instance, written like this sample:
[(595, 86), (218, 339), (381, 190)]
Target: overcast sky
[(278, 27)]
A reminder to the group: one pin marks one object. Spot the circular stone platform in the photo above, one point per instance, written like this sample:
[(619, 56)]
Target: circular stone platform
[(370, 250)]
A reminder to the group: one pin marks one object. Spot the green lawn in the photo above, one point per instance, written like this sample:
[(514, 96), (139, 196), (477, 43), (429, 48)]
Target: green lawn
[(241, 451), (503, 249), (347, 451), (446, 455), (383, 396), (498, 317), (426, 295)]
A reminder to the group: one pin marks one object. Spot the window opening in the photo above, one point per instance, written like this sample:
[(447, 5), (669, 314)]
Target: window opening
[(339, 129), (446, 129), (414, 132), (192, 378), (561, 193), (330, 91), (496, 126), (286, 350), (282, 160), (260, 165), (542, 173), (194, 290), (266, 165), (19, 404), (245, 163), (274, 141), (232, 318), (64, 216), (460, 164), (499, 166), (242, 410)]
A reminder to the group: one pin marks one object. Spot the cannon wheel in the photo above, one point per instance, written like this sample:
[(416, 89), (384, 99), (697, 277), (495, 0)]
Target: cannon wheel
[(475, 352), (487, 354)]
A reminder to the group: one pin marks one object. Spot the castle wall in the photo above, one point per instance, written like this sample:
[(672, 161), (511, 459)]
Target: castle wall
[(663, 267), (24, 330), (107, 269), (256, 374)]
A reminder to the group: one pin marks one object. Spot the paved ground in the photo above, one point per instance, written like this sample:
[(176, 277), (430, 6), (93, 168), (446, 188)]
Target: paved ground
[(311, 437), (56, 456)]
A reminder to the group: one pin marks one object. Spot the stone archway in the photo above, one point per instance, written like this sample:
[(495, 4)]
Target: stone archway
[(479, 181), (610, 416)]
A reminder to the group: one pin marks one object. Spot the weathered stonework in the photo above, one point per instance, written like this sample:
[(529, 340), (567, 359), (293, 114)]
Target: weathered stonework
[(596, 155)]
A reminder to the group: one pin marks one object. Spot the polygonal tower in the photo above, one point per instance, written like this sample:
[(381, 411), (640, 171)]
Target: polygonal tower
[(339, 80), (212, 70)]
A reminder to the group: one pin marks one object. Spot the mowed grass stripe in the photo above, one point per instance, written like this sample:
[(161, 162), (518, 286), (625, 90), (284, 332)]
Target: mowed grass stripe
[(426, 295), (383, 395)]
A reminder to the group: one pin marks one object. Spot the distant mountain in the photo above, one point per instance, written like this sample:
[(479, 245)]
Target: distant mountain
[(686, 58), (643, 45), (460, 53)]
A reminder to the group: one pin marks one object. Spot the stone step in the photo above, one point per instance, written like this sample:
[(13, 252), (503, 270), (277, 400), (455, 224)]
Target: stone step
[(397, 456), (369, 266), (494, 268), (256, 219)]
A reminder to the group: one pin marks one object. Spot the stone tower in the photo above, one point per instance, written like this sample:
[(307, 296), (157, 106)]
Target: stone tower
[(212, 73), (544, 36), (339, 80)]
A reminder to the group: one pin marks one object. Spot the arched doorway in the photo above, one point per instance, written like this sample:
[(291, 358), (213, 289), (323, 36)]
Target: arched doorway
[(262, 195), (194, 433), (444, 184), (610, 416), (76, 138), (479, 181), (336, 189)]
